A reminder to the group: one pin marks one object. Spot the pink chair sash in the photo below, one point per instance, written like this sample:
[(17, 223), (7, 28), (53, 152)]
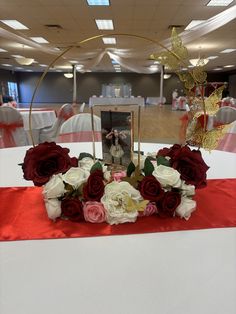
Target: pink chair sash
[(174, 104), (82, 136), (7, 136)]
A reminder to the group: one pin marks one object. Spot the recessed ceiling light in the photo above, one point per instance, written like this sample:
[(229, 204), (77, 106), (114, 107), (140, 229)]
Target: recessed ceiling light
[(217, 69), (43, 65), (29, 70), (18, 68), (14, 24), (212, 57), (3, 50), (109, 40), (98, 2), (73, 61), (39, 40), (6, 65), (227, 50), (184, 69), (229, 66), (219, 3), (193, 23), (104, 24), (156, 62)]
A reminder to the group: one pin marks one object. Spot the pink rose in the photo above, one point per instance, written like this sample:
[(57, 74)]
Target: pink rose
[(149, 210), (94, 212), (117, 176)]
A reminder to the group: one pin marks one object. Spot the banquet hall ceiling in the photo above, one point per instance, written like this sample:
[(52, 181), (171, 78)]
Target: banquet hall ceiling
[(71, 21)]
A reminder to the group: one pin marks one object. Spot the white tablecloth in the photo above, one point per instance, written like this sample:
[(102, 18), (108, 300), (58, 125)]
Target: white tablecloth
[(119, 101), (187, 272), (40, 119)]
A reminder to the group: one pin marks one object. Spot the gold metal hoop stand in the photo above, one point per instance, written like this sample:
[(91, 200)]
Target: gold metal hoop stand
[(92, 120)]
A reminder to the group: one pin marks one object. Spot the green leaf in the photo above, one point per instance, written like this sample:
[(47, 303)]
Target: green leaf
[(130, 169), (163, 161), (148, 167), (96, 166), (83, 155)]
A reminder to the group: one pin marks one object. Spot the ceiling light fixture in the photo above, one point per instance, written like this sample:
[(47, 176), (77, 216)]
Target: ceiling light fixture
[(105, 24), (167, 76), (199, 62), (98, 2), (109, 40), (219, 3), (14, 24), (39, 40), (212, 57), (228, 50), (68, 75), (24, 61), (229, 66), (3, 50)]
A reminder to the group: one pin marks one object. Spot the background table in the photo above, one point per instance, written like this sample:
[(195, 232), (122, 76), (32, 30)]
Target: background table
[(174, 272), (118, 101), (39, 119)]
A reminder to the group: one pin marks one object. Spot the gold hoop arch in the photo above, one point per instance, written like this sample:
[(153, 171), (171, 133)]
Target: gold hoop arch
[(85, 41)]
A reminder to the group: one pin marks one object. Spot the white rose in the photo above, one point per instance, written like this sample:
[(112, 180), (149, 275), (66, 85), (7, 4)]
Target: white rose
[(86, 163), (54, 187), (187, 189), (75, 176), (185, 208), (167, 176), (115, 201), (53, 207), (106, 173)]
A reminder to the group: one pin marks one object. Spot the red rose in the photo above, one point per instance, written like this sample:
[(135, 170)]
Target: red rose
[(168, 204), (150, 189), (169, 151), (94, 188), (191, 166), (72, 208), (44, 160)]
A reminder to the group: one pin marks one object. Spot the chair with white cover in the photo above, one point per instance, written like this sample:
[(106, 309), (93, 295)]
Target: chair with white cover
[(12, 131), (225, 115), (50, 134), (228, 142), (79, 129)]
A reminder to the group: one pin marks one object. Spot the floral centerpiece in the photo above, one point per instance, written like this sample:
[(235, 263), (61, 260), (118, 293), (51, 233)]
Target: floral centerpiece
[(83, 189)]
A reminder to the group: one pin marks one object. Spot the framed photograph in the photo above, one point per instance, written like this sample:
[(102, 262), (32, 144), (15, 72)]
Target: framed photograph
[(117, 137)]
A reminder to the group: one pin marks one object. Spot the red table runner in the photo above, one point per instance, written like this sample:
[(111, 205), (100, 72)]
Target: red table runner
[(23, 215)]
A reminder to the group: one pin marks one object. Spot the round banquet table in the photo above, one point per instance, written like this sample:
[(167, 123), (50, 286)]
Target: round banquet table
[(170, 272), (39, 119)]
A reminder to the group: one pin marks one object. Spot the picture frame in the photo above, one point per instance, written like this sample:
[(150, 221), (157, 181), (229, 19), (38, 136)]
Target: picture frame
[(117, 136)]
